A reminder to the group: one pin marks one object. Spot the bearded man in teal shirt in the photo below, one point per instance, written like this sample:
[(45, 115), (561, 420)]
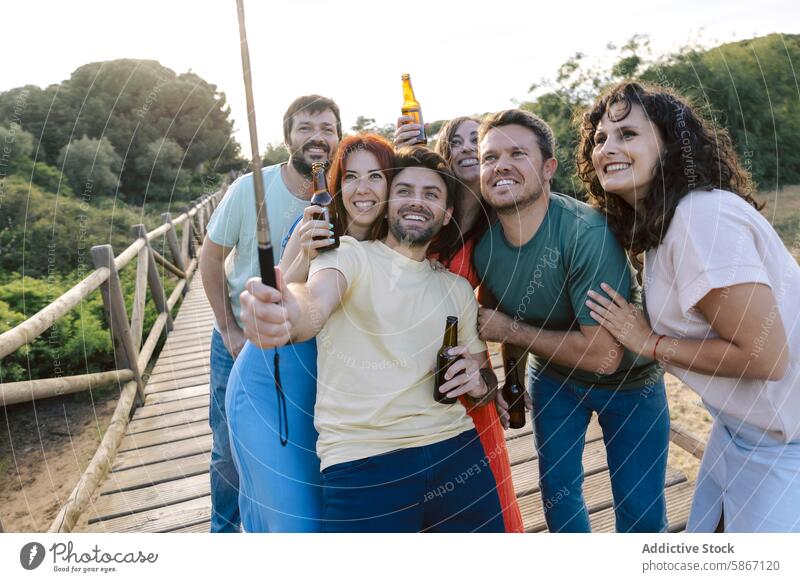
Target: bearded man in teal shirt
[(539, 260)]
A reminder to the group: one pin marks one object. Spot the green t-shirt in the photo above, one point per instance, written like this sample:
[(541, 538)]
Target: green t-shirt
[(544, 283)]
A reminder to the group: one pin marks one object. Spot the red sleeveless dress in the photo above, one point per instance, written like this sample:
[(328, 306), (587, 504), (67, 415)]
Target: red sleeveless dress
[(486, 420)]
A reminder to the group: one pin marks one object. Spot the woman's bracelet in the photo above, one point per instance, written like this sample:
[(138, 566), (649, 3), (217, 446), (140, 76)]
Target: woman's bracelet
[(655, 347)]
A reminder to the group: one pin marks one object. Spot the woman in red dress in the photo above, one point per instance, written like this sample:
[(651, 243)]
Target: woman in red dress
[(458, 144)]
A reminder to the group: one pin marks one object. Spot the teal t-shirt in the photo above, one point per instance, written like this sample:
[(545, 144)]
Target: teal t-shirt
[(544, 283), (233, 224)]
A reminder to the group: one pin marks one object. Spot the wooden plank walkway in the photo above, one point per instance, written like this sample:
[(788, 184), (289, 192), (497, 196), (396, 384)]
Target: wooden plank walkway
[(159, 481)]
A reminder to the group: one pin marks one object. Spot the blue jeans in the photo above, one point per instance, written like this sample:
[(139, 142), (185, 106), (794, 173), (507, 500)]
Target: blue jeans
[(224, 478), (443, 487), (635, 427)]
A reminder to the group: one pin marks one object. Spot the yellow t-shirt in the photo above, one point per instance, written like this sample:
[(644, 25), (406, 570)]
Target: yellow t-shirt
[(377, 350)]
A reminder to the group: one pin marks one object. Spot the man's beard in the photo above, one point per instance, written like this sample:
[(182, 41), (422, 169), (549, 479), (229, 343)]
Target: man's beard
[(298, 160), (413, 238), (300, 164), (514, 206)]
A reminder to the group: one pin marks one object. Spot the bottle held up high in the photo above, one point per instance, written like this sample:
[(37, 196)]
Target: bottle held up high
[(514, 395), (444, 360), (322, 197), (411, 108)]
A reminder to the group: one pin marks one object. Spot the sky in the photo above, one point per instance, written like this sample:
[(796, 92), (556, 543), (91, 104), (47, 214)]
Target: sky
[(464, 57)]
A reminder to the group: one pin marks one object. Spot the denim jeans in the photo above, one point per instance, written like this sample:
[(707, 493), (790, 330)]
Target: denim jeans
[(224, 478), (635, 427), (443, 487)]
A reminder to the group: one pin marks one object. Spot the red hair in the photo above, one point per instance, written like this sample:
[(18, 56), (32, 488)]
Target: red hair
[(383, 151)]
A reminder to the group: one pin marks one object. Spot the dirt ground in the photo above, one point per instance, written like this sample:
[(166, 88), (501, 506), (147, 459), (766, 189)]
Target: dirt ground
[(686, 409), (44, 448)]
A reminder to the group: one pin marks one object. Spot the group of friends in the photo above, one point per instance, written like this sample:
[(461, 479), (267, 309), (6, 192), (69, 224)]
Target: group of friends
[(322, 406)]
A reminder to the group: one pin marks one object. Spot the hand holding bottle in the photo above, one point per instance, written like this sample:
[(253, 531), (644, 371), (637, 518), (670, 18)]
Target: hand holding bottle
[(314, 234), (407, 132)]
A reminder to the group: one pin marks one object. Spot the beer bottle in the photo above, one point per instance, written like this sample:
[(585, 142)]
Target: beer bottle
[(444, 360), (411, 107), (321, 197), (514, 395)]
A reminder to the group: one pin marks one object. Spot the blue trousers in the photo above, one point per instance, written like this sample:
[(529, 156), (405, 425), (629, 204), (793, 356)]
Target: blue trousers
[(635, 427), (443, 487), (222, 472), (279, 486)]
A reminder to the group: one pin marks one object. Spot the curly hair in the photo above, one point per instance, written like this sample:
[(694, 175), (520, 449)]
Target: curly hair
[(696, 156)]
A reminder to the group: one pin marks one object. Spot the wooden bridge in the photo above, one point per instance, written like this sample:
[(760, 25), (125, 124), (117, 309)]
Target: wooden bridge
[(150, 473)]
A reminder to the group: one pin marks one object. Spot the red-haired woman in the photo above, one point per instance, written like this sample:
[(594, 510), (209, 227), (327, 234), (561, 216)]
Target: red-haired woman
[(359, 178), (458, 144)]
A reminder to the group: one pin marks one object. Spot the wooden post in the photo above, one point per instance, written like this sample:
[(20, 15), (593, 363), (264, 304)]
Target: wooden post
[(186, 235), (174, 247), (139, 297), (125, 352), (201, 217), (156, 287)]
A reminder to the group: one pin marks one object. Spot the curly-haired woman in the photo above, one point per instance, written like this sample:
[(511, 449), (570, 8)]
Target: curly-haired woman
[(721, 295)]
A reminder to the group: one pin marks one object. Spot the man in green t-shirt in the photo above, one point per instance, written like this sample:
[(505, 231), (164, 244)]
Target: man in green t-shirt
[(539, 260)]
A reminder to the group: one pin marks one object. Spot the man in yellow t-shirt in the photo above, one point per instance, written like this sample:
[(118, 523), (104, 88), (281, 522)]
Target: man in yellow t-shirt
[(392, 457)]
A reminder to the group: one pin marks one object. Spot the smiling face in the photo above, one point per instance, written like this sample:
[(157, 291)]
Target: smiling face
[(626, 153), (364, 189), (464, 152), (313, 138), (417, 206), (513, 173)]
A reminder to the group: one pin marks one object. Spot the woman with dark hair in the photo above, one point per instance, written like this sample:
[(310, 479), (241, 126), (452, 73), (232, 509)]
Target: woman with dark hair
[(458, 145), (273, 439), (720, 296)]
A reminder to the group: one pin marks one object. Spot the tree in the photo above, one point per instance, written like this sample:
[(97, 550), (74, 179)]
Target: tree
[(748, 88), (368, 124), (16, 145), (275, 154), (131, 103), (90, 165), (161, 160)]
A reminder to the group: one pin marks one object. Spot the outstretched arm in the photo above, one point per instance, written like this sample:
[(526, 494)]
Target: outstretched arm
[(291, 313)]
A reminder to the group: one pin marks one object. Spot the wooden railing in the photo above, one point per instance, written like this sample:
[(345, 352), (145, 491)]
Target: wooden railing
[(130, 354)]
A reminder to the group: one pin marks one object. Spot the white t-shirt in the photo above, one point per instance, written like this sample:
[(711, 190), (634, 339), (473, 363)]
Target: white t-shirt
[(233, 224), (714, 241), (376, 351)]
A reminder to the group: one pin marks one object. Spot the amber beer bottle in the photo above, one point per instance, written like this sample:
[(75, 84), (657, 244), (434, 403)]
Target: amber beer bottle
[(321, 197), (444, 360), (514, 395), (411, 107)]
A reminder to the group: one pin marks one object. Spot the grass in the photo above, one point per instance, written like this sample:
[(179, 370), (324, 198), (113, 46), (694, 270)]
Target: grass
[(783, 211)]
